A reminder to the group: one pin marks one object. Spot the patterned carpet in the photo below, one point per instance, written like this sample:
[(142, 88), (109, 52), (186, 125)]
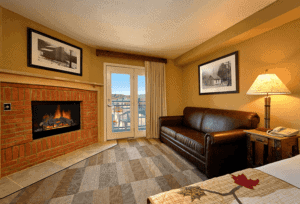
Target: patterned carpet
[(127, 173)]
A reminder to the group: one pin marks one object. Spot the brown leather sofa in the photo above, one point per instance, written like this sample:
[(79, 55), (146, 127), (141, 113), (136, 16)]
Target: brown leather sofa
[(211, 139)]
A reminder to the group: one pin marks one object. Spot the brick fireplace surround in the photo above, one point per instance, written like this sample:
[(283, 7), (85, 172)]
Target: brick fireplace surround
[(18, 150)]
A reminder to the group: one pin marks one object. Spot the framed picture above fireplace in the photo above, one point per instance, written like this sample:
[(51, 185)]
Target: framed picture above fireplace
[(47, 52)]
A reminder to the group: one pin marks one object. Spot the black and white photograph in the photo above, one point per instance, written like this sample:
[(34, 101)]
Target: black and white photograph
[(219, 76), (49, 53)]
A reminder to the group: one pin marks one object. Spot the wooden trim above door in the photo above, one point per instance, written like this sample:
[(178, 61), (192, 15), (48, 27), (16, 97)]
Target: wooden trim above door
[(129, 56)]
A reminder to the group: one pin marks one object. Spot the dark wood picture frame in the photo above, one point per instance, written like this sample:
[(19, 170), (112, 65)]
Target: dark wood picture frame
[(219, 76), (49, 53)]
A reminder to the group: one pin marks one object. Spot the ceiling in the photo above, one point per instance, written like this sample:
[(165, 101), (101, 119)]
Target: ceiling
[(160, 28)]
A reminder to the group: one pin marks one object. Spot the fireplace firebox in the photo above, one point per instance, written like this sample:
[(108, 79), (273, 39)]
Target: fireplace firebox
[(54, 117)]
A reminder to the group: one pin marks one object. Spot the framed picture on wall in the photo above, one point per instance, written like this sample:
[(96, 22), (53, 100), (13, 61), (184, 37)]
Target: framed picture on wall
[(219, 76), (46, 52)]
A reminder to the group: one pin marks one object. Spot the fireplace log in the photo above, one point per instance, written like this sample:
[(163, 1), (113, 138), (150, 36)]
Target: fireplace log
[(57, 121)]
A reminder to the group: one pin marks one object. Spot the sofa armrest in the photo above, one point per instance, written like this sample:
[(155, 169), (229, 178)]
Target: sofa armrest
[(225, 152), (170, 120), (226, 136)]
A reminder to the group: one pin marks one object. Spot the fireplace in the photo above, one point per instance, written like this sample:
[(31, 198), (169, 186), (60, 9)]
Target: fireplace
[(54, 117)]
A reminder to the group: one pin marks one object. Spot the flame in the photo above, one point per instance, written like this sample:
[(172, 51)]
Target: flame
[(66, 114), (57, 112)]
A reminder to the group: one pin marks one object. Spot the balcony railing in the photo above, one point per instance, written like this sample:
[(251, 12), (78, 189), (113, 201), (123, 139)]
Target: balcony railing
[(121, 115)]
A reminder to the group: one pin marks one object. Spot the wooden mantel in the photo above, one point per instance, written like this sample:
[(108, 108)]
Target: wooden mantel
[(129, 56), (6, 76)]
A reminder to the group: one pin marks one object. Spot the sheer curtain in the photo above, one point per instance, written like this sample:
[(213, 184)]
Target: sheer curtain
[(156, 104)]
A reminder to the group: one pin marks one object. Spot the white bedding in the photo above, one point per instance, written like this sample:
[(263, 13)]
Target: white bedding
[(286, 169)]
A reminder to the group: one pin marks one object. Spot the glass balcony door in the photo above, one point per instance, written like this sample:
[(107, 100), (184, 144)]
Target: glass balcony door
[(140, 102), (126, 107)]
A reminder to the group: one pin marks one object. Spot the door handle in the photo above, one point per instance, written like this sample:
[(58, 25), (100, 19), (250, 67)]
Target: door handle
[(109, 105)]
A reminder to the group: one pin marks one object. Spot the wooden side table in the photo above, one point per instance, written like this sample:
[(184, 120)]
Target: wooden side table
[(264, 149)]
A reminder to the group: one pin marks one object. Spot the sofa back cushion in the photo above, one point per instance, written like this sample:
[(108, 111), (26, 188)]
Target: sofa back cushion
[(216, 120), (192, 117)]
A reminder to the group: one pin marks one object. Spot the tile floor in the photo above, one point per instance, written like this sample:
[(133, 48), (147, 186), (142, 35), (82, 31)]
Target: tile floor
[(129, 172), (16, 181)]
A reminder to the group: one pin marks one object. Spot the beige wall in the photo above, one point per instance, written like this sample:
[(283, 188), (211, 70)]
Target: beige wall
[(1, 61), (268, 18), (0, 66), (14, 48), (277, 50), (174, 84)]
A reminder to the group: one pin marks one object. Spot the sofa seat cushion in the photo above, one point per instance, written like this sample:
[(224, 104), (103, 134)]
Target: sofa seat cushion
[(172, 130), (184, 147), (192, 139)]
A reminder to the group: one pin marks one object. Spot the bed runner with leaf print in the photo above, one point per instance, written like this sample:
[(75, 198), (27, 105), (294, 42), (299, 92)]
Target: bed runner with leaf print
[(246, 186)]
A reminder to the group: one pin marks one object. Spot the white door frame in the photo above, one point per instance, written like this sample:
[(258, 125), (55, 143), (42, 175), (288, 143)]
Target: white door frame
[(105, 65)]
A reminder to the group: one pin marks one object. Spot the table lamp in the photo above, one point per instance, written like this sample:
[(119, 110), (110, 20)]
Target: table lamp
[(267, 84)]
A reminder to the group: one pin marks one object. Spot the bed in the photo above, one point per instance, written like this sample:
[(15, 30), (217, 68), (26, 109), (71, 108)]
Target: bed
[(278, 182)]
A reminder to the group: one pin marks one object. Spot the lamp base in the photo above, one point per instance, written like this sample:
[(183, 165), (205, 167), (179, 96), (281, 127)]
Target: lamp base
[(267, 111)]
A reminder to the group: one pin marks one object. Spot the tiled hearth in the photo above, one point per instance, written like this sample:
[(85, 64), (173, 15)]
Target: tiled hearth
[(21, 179), (18, 149)]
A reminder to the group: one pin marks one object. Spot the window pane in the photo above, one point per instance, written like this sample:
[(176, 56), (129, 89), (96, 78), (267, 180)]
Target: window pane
[(141, 103), (120, 96)]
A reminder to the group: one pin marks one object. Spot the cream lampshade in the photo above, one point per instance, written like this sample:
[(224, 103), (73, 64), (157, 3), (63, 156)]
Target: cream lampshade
[(266, 84)]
